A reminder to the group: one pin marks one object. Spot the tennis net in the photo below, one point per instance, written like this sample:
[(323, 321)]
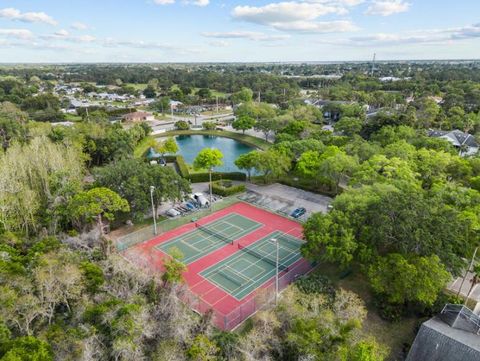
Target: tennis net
[(215, 234), (263, 257)]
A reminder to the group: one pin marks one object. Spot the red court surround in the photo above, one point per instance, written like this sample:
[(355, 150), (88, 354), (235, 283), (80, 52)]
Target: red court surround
[(212, 296)]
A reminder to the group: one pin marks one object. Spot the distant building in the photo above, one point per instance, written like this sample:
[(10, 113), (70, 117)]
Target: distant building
[(175, 104), (454, 335), (138, 117), (466, 143)]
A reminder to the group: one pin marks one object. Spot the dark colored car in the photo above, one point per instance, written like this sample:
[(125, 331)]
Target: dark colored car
[(297, 213)]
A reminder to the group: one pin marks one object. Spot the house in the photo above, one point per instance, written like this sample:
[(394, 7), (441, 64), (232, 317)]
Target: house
[(138, 117), (466, 143), (454, 335), (175, 104)]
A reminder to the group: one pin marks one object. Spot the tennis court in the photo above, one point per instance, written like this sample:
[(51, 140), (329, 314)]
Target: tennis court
[(206, 238), (230, 258), (247, 270)]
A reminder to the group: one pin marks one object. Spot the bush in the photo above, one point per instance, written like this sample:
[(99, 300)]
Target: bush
[(227, 188), (182, 125), (317, 283), (209, 125), (203, 177), (181, 165)]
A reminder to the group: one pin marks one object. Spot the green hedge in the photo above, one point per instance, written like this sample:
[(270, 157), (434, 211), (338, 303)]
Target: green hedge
[(224, 190), (181, 165), (202, 177), (216, 176)]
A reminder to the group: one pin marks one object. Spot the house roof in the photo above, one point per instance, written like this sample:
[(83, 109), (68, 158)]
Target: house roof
[(456, 137), (137, 115), (437, 341)]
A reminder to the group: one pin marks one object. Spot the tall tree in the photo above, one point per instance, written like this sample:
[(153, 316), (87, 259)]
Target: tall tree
[(208, 158), (96, 204)]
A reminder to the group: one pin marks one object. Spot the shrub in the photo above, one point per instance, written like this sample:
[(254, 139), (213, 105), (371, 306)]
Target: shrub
[(182, 167), (182, 125), (317, 283), (227, 188), (209, 125), (203, 177)]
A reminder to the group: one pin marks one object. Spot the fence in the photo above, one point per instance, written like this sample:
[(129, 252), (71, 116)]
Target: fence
[(259, 300), (146, 233)]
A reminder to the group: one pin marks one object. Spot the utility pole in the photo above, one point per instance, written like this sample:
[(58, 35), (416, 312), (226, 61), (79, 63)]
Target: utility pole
[(275, 241), (466, 274), (373, 63), (217, 103)]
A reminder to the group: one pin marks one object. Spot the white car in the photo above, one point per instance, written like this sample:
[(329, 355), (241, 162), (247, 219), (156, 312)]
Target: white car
[(201, 199), (173, 212)]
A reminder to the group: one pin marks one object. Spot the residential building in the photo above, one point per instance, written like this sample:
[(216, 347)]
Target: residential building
[(464, 142), (454, 335), (138, 117)]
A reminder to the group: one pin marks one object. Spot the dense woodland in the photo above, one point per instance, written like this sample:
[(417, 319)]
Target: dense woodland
[(406, 213)]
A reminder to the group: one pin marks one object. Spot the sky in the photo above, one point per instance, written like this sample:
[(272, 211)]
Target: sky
[(33, 31)]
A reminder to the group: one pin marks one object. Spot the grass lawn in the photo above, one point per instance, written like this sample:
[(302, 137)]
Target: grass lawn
[(140, 87), (214, 112), (73, 117), (244, 138), (392, 334)]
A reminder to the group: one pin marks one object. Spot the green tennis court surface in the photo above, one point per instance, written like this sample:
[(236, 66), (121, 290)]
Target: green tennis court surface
[(212, 236), (252, 266)]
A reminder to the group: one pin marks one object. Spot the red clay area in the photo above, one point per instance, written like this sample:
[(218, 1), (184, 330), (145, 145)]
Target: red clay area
[(210, 295)]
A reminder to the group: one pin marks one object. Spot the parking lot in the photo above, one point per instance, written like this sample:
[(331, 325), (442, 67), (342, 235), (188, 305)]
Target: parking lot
[(283, 199)]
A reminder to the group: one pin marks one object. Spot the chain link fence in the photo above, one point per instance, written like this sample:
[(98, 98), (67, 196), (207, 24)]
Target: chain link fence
[(146, 233)]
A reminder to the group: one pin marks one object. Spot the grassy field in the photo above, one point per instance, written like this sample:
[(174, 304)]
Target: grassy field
[(140, 87), (247, 139), (72, 118)]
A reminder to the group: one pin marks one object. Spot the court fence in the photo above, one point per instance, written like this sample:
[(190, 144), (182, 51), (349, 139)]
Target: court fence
[(146, 233), (258, 300)]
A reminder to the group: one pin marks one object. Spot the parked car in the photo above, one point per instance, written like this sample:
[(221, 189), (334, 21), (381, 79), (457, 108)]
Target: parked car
[(201, 200), (297, 213), (172, 212)]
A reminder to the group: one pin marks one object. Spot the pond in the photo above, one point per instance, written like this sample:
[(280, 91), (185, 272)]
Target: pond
[(231, 149)]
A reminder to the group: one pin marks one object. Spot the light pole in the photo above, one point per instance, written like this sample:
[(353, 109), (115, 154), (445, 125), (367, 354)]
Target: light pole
[(275, 241), (211, 195), (152, 188)]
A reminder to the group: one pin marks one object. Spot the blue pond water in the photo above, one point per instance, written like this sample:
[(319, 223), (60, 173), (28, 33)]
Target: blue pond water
[(190, 145)]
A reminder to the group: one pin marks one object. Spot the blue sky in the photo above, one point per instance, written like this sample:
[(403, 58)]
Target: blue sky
[(237, 30)]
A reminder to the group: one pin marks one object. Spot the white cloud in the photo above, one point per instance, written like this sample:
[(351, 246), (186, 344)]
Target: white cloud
[(17, 33), (387, 7), (200, 2), (187, 2), (426, 36), (84, 38), (250, 35), (284, 12), (339, 26), (164, 2), (299, 16), (79, 26), (219, 43), (62, 33), (29, 17)]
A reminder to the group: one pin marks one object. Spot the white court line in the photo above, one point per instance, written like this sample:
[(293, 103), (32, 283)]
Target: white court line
[(292, 256), (213, 244)]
